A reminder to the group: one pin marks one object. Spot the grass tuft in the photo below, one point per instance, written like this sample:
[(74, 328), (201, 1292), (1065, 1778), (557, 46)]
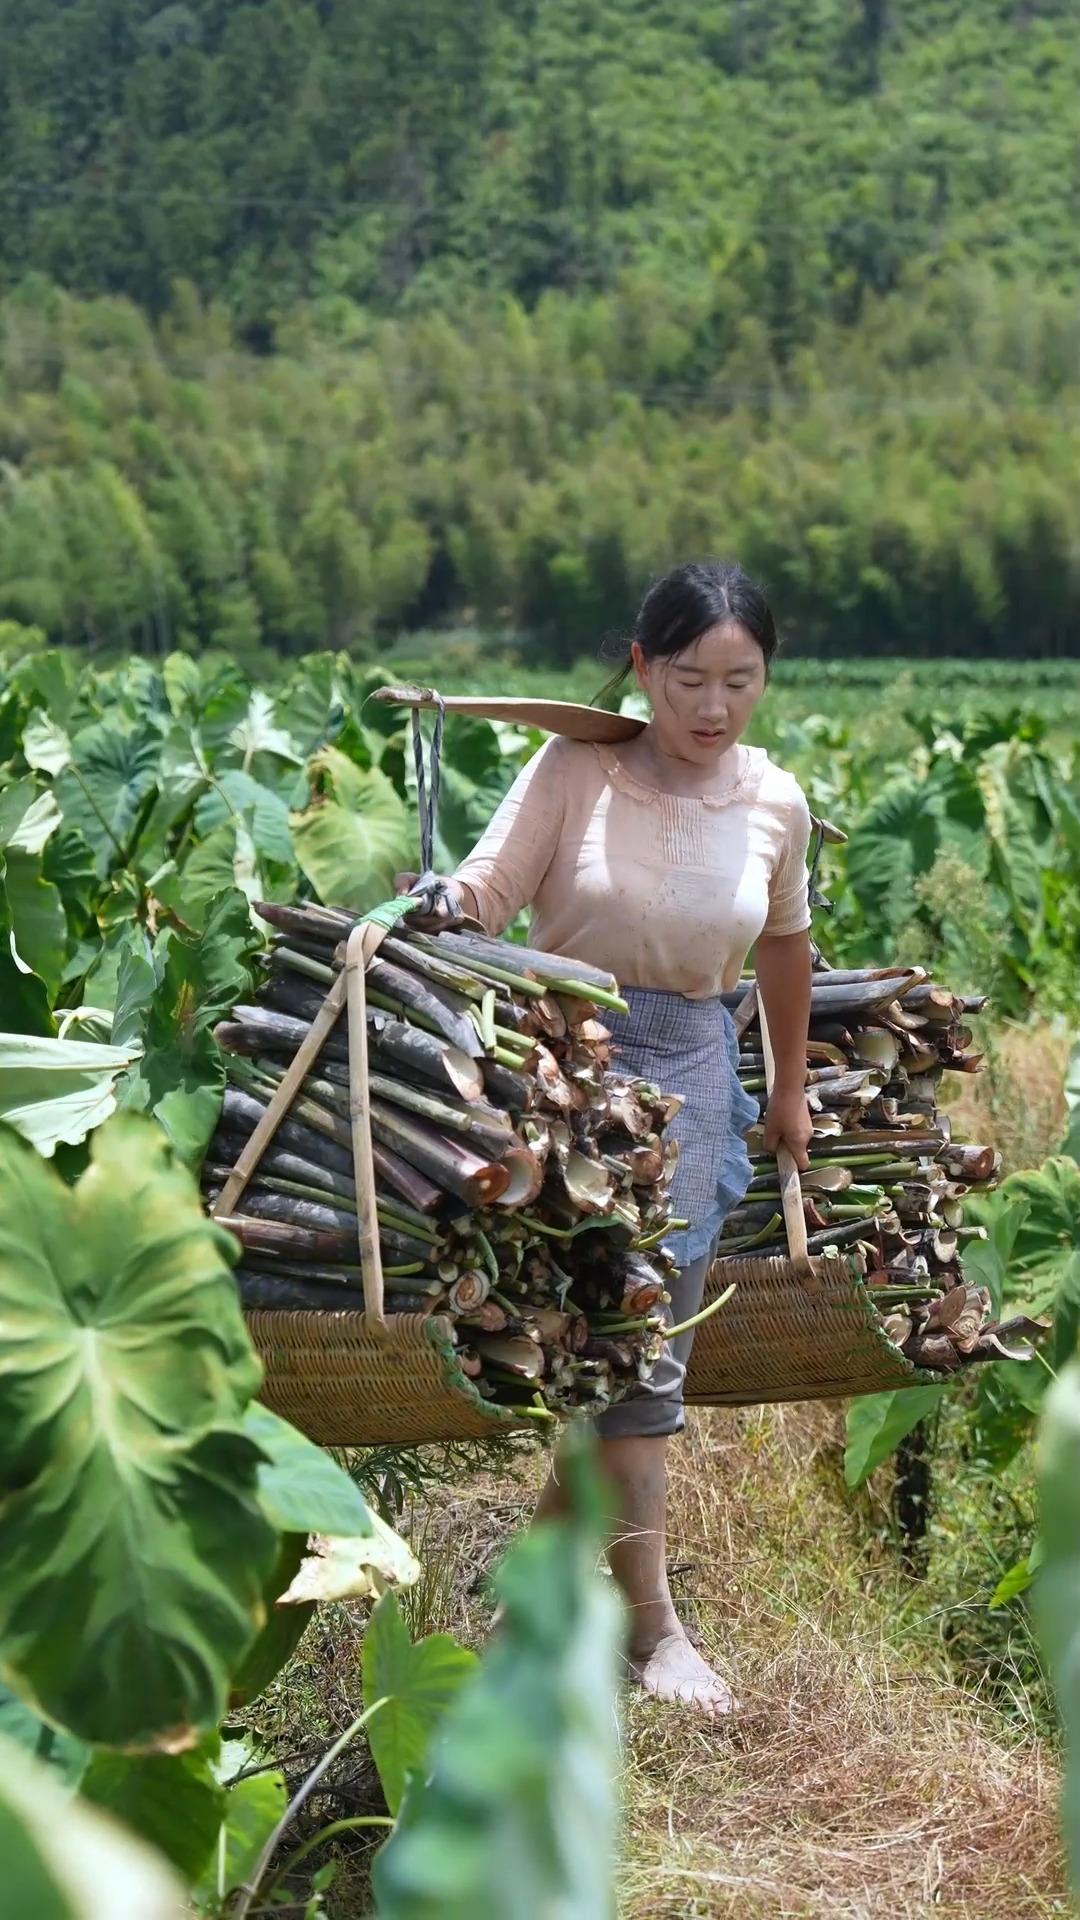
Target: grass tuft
[(1018, 1100)]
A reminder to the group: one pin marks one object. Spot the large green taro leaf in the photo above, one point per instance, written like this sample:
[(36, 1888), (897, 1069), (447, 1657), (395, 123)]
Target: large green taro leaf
[(38, 924), (182, 679), (316, 698), (66, 1756), (113, 769), (63, 1861), (68, 861), (172, 1005), (38, 920), (227, 857), (894, 841), (24, 997), (236, 795), (417, 1681), (877, 1422), (1011, 826), (1039, 1208), (54, 1091), (258, 732), (133, 1545), (28, 819), (45, 744), (354, 834), (302, 1488), (1045, 1259), (170, 1799), (283, 1630)]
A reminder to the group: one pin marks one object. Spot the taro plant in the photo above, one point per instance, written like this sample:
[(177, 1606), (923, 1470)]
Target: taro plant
[(165, 1540), (64, 1861), (163, 1537)]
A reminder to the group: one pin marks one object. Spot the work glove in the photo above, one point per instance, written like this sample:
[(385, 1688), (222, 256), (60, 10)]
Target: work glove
[(439, 902)]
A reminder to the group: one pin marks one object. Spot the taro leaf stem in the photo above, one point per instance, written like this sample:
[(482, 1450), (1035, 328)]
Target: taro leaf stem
[(319, 1839), (654, 1239), (582, 992), (558, 1233), (752, 1239), (706, 1313), (487, 1254)]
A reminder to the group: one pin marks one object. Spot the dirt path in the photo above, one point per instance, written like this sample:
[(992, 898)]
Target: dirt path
[(861, 1783)]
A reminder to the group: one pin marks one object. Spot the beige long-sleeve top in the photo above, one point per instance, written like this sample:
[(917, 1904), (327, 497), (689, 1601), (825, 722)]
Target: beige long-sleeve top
[(662, 891)]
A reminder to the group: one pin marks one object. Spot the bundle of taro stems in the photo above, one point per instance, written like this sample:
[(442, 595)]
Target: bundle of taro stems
[(521, 1179), (886, 1182)]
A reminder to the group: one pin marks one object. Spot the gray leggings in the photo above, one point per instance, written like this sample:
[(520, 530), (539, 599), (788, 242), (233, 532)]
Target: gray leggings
[(658, 1406)]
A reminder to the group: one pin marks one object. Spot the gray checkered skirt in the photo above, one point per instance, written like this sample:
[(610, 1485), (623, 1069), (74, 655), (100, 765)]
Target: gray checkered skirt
[(690, 1047)]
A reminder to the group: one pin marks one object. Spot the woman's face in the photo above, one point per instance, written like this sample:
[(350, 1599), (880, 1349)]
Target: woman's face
[(702, 699)]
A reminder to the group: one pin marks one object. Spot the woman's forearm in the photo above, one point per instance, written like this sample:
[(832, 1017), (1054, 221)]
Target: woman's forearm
[(782, 966)]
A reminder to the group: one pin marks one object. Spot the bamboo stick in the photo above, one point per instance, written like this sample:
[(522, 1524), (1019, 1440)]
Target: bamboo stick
[(791, 1194), (357, 959)]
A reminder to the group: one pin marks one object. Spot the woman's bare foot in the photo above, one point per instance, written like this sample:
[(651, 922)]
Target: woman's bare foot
[(675, 1670)]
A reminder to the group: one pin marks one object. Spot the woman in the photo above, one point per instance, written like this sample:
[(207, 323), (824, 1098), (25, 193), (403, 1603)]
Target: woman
[(664, 863)]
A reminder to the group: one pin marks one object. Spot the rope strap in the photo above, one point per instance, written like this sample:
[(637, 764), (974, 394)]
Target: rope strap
[(427, 785)]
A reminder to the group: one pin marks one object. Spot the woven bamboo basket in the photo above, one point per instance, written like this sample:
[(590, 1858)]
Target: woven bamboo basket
[(793, 1329), (774, 1340), (347, 1381), (800, 1328)]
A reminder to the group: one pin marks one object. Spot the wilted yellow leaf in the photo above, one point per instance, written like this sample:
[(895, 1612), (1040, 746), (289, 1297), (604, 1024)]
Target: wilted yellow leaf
[(340, 1569)]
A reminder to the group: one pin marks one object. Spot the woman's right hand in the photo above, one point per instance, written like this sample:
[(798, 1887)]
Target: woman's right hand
[(443, 903)]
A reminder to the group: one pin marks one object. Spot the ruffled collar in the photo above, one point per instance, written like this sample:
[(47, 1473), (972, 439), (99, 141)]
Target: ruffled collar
[(753, 761)]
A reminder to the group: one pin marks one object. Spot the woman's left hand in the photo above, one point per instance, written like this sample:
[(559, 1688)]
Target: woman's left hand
[(788, 1123)]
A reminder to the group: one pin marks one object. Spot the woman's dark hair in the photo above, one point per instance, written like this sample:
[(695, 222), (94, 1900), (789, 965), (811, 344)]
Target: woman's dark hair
[(689, 600)]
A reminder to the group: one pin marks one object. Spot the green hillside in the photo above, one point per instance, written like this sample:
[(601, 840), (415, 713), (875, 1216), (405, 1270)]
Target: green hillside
[(808, 151), (325, 320)]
